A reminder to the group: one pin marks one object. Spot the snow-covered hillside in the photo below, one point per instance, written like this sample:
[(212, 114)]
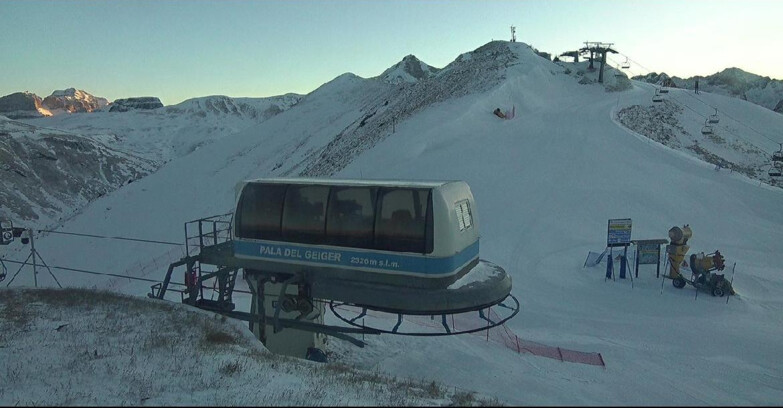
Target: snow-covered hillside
[(172, 131), (48, 173), (734, 82), (140, 141), (545, 184), (119, 350)]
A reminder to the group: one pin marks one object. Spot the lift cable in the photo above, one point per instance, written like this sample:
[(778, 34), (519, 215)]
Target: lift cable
[(705, 103), (734, 119), (712, 107), (109, 274), (120, 238)]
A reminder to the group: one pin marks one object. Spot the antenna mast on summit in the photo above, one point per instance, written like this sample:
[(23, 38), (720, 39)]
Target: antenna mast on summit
[(513, 34)]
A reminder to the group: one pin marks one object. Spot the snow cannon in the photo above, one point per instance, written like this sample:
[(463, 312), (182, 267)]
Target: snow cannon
[(676, 251)]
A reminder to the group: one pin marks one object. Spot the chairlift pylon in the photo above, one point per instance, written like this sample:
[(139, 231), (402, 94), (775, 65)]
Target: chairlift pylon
[(714, 117)]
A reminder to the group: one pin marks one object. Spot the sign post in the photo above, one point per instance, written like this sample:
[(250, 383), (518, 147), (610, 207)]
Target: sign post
[(618, 235), (648, 252)]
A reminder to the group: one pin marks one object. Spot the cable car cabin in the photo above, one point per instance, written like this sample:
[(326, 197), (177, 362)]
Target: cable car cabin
[(402, 233)]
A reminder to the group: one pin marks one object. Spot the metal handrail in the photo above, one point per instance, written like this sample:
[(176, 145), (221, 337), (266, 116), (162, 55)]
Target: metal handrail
[(210, 231)]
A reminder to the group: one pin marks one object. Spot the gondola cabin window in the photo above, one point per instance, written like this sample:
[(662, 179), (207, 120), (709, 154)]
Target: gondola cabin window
[(351, 217), (260, 211), (464, 216), (382, 218), (304, 214), (401, 224)]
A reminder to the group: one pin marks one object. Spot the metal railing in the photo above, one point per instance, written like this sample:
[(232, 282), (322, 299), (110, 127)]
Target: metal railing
[(207, 232)]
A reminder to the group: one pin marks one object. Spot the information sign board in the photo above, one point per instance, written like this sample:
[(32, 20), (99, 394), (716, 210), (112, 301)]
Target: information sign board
[(619, 232), (649, 253)]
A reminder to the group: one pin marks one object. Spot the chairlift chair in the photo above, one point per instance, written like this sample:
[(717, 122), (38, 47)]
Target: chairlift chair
[(626, 64), (778, 155), (774, 171), (714, 117), (663, 90), (657, 97), (707, 128)]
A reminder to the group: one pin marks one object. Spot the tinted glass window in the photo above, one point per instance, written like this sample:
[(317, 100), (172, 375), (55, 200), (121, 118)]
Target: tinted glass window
[(401, 224), (304, 214), (260, 209), (351, 217)]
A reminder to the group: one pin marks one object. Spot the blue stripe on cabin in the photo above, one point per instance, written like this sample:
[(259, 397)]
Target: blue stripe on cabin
[(331, 256)]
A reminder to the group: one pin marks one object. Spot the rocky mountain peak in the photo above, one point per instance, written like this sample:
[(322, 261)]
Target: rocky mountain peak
[(73, 100), (409, 70)]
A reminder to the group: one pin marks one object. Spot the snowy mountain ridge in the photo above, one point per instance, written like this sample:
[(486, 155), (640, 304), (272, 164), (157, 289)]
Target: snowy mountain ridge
[(47, 174), (143, 140), (734, 82)]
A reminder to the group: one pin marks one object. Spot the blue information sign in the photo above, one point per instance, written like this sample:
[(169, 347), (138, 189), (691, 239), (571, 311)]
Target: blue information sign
[(619, 232)]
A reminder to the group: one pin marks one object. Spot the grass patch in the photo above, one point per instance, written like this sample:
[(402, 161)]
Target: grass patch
[(230, 369)]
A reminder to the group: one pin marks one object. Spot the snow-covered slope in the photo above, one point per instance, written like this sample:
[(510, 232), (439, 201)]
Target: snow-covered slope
[(164, 354), (410, 69), (48, 174), (742, 140), (164, 133), (545, 184), (734, 82), (140, 140)]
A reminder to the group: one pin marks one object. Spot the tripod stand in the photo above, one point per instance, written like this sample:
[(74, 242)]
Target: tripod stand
[(33, 254)]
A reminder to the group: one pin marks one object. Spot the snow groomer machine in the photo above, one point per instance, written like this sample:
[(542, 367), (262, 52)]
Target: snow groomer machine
[(379, 254)]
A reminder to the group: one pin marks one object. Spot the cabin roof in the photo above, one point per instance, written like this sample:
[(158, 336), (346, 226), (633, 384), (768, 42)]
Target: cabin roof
[(354, 182)]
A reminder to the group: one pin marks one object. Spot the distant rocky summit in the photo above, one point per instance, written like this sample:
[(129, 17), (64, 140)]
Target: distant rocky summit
[(410, 70), (73, 100), (734, 82), (138, 103), (22, 105)]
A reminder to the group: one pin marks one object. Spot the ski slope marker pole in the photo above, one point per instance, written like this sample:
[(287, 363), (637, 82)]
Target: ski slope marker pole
[(731, 283)]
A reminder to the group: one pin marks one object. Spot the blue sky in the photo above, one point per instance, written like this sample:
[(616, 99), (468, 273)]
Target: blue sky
[(182, 49)]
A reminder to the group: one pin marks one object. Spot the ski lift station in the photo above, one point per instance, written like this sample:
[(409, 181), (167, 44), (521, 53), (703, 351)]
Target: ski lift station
[(388, 246)]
